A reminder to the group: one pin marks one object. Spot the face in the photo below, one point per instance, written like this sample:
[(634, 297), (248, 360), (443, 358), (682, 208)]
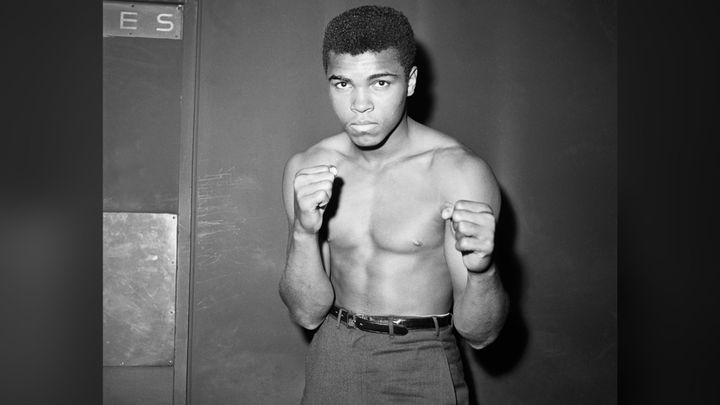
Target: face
[(368, 93)]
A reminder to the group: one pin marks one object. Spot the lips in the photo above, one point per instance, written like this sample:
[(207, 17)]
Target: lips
[(363, 125), (363, 128)]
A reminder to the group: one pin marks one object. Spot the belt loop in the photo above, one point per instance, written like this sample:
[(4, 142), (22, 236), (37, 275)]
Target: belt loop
[(437, 326), (390, 327), (339, 316)]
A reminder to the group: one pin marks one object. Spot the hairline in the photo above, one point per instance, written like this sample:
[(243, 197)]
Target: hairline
[(396, 54)]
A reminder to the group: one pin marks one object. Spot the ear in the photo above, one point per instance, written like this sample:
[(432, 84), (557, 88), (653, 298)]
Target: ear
[(412, 81)]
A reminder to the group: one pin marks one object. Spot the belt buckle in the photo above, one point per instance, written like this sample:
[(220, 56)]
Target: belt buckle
[(350, 321), (398, 329)]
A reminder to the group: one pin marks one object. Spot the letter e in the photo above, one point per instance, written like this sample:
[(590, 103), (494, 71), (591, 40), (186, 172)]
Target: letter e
[(123, 20)]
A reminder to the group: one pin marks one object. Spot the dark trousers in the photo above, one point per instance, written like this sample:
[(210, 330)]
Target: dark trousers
[(350, 366)]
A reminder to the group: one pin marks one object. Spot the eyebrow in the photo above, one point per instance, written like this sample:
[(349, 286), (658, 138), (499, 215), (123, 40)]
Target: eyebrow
[(379, 75), (338, 77), (371, 77)]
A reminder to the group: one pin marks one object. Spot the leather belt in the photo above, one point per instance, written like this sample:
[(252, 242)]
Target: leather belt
[(395, 325)]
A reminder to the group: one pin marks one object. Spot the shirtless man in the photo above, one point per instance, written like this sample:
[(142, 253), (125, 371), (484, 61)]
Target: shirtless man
[(391, 228)]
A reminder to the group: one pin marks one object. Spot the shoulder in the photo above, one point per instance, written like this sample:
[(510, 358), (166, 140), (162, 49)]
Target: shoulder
[(326, 152), (447, 153), (451, 159), (463, 175), (455, 158), (329, 151)]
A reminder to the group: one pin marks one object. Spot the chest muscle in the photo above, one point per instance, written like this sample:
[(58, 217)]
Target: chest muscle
[(396, 212)]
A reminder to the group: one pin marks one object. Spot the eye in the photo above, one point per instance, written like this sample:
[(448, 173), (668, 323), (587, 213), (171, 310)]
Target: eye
[(342, 85), (382, 83)]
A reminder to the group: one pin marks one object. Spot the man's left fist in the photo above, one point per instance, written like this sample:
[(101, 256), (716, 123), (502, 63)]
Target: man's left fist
[(473, 225)]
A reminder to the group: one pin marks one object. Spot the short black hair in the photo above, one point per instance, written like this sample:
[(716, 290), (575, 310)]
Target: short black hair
[(370, 28)]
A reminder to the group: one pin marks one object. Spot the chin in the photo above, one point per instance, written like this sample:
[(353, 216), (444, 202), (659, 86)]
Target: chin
[(368, 142), (363, 142)]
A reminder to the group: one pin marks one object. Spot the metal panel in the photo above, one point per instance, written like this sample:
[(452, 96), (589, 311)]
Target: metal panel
[(142, 102), (137, 385), (139, 262)]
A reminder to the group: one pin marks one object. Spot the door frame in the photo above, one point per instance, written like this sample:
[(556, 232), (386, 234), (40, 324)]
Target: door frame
[(187, 203)]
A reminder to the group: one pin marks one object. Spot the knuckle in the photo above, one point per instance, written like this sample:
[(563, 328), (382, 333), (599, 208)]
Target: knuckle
[(305, 205), (491, 225), (457, 215), (326, 186), (463, 227), (488, 245), (299, 181)]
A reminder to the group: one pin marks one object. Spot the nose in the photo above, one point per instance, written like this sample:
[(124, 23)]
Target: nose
[(361, 101)]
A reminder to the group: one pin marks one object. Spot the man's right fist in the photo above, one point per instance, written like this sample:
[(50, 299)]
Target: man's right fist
[(313, 189)]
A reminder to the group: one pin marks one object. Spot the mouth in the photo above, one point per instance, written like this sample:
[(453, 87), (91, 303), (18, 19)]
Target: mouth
[(363, 126)]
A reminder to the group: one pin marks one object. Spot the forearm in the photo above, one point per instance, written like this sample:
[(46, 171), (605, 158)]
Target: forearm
[(479, 312), (304, 286)]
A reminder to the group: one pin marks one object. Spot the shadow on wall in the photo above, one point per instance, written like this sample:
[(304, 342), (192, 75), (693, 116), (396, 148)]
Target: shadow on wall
[(420, 104), (501, 356), (504, 354)]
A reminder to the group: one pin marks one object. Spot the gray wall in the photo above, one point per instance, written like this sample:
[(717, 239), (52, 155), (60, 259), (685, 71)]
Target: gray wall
[(530, 86)]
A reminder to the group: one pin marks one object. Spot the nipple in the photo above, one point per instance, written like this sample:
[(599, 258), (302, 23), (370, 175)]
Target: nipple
[(417, 243)]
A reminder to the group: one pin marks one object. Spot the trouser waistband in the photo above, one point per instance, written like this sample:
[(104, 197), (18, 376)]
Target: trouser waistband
[(392, 325)]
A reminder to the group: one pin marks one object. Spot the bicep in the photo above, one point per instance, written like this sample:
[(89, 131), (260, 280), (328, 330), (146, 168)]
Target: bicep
[(467, 177), (478, 184)]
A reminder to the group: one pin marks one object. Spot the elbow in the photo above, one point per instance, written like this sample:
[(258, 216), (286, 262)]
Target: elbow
[(479, 338), (308, 312), (308, 316), (309, 324), (307, 321), (481, 344)]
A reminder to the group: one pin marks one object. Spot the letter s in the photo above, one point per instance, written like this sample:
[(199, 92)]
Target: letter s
[(160, 20)]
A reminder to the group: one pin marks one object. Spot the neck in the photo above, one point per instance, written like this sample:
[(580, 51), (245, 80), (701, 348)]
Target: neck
[(394, 145)]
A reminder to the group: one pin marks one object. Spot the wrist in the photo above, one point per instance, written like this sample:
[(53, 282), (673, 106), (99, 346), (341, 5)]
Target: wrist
[(479, 264), (300, 234), (481, 275)]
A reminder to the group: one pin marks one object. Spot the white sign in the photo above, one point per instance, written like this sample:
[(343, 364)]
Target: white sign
[(143, 20)]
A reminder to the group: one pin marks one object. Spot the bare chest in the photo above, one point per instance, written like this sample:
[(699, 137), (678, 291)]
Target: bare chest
[(396, 211)]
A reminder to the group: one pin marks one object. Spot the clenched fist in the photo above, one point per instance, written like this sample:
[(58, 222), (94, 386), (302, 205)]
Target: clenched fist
[(473, 225), (313, 189)]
